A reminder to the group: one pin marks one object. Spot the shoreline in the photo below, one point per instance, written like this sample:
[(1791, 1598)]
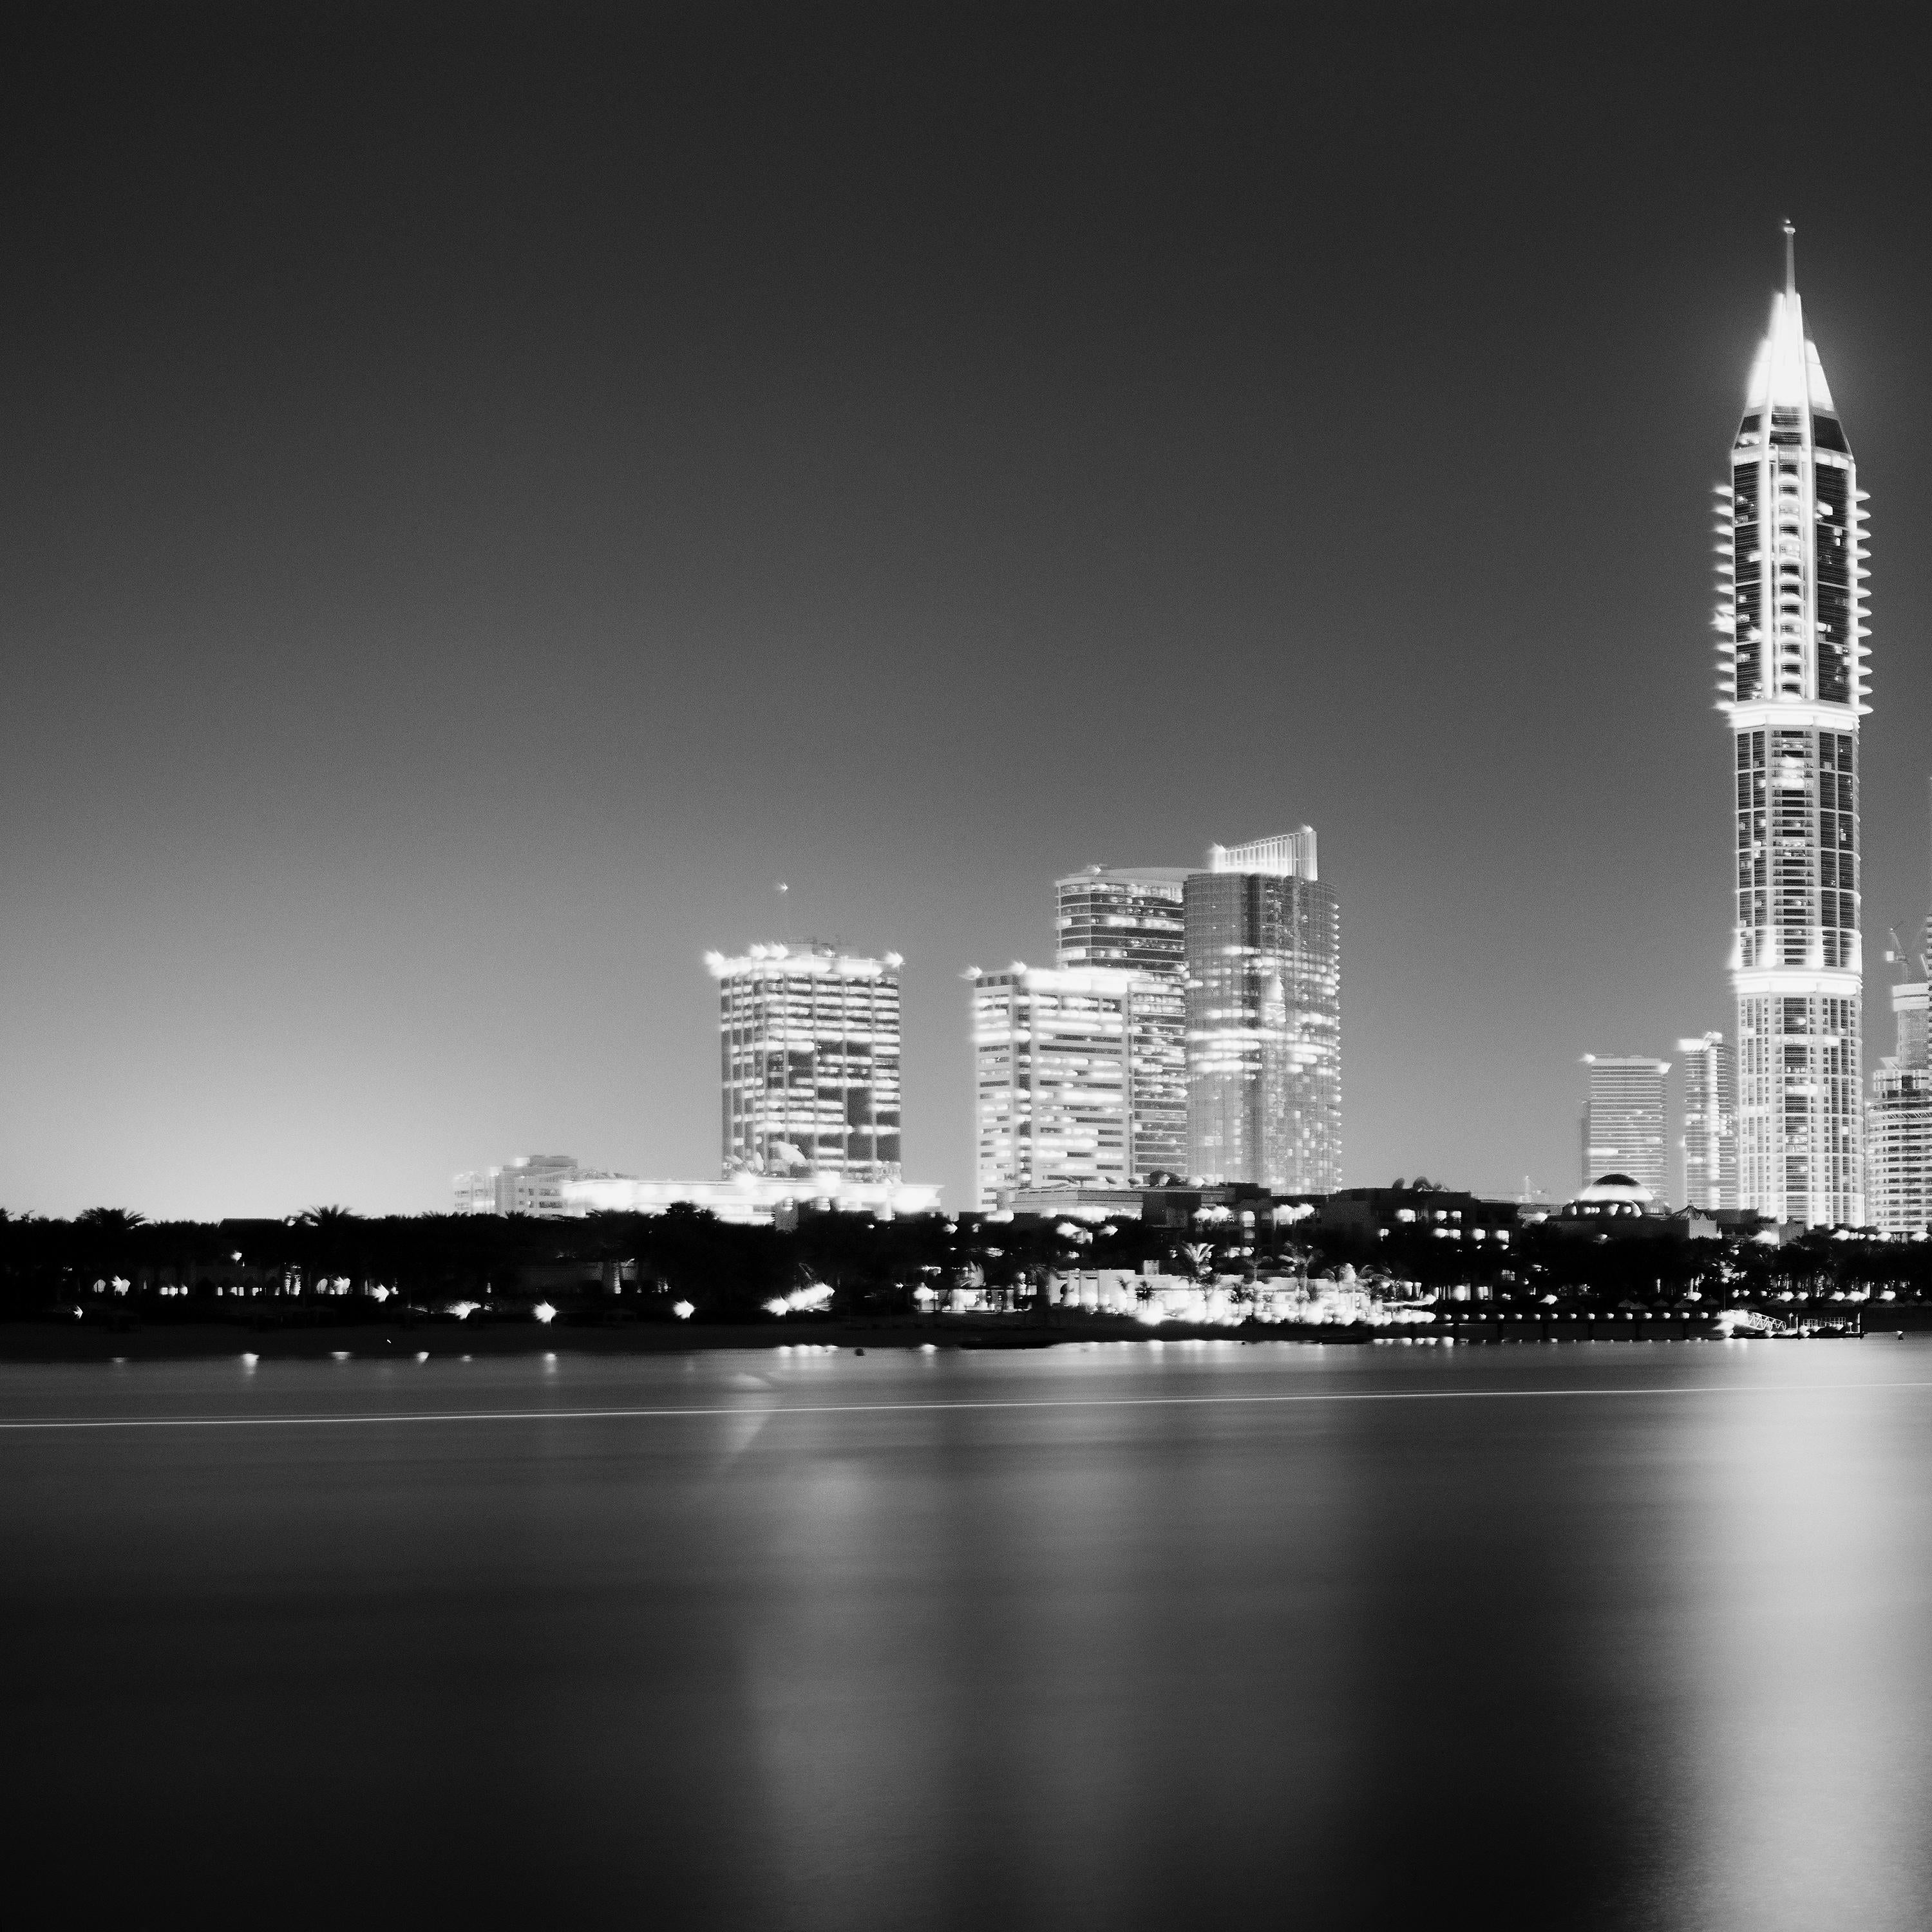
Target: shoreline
[(29, 1343)]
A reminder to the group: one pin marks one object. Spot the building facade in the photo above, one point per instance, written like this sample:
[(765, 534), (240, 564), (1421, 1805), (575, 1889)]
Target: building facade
[(1710, 1164), (1792, 654), (1264, 1018), (1132, 919), (810, 1047), (1898, 1120), (1054, 1073), (1623, 1121)]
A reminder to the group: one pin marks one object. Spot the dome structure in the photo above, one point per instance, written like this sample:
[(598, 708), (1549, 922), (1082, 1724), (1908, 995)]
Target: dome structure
[(1617, 1187), (1612, 1204)]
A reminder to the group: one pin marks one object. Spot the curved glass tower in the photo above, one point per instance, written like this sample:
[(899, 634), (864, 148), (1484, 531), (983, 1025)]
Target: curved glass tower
[(1791, 656)]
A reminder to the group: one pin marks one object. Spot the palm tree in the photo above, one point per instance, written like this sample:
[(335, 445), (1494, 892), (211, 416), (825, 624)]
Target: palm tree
[(110, 1220), (103, 1249), (332, 1232)]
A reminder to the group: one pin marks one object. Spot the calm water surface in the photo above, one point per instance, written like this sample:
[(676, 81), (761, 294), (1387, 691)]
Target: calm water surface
[(1114, 1637)]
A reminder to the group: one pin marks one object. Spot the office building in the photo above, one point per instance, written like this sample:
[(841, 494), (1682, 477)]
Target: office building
[(1623, 1121), (1792, 677), (1264, 1018), (1710, 1165), (1053, 1068), (810, 1040), (1131, 919)]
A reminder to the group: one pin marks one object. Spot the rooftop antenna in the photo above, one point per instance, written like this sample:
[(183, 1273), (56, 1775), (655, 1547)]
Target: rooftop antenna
[(1790, 258)]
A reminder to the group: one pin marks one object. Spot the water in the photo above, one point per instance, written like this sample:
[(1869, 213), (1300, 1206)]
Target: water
[(1606, 1635)]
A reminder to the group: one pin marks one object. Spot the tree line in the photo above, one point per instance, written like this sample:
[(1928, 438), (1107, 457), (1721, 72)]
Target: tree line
[(343, 1265)]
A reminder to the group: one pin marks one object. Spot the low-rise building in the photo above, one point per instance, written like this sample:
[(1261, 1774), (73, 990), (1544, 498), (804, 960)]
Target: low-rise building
[(1614, 1208), (757, 1200), (1074, 1204), (532, 1183), (1374, 1214)]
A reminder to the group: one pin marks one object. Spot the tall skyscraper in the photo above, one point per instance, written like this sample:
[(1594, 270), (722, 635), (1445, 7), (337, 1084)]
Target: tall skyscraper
[(1264, 1018), (1623, 1119), (1710, 1168), (1792, 654), (1130, 919), (1898, 1120), (810, 1039), (1053, 1056), (1898, 1115)]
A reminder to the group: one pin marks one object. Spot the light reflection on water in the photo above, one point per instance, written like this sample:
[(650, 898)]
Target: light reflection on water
[(1807, 1530), (1577, 1658)]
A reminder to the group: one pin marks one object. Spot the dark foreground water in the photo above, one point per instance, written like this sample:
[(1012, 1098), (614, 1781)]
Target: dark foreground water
[(1121, 1637)]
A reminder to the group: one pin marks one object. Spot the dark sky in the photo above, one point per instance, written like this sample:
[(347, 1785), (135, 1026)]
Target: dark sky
[(488, 493)]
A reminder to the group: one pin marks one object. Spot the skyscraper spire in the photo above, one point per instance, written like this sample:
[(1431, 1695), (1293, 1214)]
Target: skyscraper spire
[(1791, 676), (1790, 259)]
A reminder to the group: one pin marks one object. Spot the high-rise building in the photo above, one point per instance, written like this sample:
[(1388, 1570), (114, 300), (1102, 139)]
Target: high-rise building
[(1710, 1166), (1130, 919), (1898, 1120), (1623, 1119), (1053, 1054), (1792, 654), (810, 1039), (1264, 1018)]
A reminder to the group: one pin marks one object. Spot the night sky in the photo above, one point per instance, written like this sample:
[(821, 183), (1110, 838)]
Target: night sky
[(487, 493)]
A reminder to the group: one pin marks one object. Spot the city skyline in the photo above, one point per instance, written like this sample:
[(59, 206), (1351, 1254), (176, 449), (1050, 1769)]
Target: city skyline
[(474, 540)]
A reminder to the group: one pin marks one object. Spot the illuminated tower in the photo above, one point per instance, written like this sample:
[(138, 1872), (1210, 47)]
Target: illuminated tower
[(1791, 657), (1264, 1018), (1129, 919)]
